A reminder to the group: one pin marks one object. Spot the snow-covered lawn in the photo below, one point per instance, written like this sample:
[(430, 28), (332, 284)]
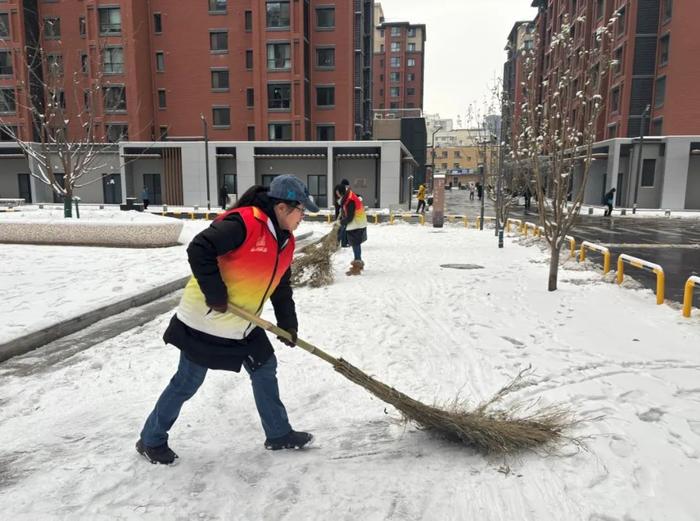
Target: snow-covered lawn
[(67, 432)]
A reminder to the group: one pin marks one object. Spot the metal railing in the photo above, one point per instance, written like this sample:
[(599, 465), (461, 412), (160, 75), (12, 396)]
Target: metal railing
[(600, 249), (644, 265)]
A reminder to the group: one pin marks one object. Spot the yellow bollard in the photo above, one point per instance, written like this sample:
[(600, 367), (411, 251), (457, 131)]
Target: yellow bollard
[(391, 218), (688, 294), (641, 263), (466, 222)]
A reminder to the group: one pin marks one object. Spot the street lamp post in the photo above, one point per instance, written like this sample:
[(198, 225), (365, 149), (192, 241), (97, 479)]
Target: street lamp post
[(483, 196), (432, 152), (206, 158), (645, 114)]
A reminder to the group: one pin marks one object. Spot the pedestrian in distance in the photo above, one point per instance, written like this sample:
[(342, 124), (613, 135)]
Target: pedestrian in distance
[(337, 192), (421, 199), (479, 191), (243, 258), (527, 194), (354, 218), (471, 192), (609, 200), (223, 196), (145, 197)]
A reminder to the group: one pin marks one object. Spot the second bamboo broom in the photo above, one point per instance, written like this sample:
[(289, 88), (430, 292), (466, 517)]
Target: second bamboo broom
[(486, 430)]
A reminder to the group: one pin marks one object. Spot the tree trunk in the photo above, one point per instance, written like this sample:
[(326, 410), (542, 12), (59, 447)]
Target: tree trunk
[(553, 268)]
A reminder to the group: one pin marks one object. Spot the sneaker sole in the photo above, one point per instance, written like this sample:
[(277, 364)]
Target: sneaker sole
[(140, 449)]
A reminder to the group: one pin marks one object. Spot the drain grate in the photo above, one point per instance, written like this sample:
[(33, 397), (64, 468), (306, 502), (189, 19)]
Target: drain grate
[(462, 266)]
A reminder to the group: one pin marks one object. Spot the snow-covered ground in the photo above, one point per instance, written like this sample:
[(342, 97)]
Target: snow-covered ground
[(67, 431)]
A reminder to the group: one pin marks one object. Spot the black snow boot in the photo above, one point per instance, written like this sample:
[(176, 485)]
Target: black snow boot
[(160, 454), (293, 440)]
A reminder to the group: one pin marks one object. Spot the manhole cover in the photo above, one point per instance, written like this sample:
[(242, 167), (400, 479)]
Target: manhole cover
[(462, 266)]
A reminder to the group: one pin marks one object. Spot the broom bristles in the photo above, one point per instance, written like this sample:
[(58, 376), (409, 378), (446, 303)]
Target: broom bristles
[(314, 266), (488, 431)]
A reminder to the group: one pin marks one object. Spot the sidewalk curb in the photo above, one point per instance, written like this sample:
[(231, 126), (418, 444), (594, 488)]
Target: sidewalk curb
[(31, 341)]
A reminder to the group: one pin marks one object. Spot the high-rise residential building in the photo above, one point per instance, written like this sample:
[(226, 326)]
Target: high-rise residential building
[(521, 37), (248, 69), (399, 57), (648, 135)]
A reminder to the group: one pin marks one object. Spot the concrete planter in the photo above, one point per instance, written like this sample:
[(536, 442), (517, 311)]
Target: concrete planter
[(92, 233)]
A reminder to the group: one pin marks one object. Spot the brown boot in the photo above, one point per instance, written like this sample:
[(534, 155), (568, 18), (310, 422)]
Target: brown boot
[(355, 268)]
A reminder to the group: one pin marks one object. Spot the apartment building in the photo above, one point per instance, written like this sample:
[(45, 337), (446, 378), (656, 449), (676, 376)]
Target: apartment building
[(521, 38), (399, 57), (244, 69), (648, 136)]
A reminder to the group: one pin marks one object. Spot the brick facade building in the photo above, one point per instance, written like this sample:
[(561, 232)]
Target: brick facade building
[(253, 69)]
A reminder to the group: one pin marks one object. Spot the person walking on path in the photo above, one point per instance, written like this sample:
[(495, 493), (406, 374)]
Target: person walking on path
[(479, 190), (242, 259), (354, 218), (223, 196), (527, 194), (609, 200), (471, 192), (145, 197), (421, 199), (337, 196)]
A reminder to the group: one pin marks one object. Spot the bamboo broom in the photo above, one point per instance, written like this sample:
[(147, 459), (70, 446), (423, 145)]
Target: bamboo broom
[(486, 430)]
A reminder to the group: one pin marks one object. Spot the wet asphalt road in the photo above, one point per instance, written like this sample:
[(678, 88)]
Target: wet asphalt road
[(673, 243)]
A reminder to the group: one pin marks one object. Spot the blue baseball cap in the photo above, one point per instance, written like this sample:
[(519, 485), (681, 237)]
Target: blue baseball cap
[(290, 188)]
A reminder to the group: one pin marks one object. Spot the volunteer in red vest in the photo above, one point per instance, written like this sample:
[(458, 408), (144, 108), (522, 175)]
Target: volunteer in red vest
[(243, 259), (354, 218)]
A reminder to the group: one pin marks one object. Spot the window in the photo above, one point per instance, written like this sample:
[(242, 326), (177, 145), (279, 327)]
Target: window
[(411, 32), (7, 101), (157, 23), (657, 127), (87, 99), (411, 76), (219, 79), (411, 62), (277, 14), (664, 46), (395, 61), (622, 21), (612, 131), (325, 57), (395, 92), (160, 62), (325, 132), (250, 97), (615, 100), (411, 46), (279, 56), (162, 100), (52, 27), (279, 96), (395, 76), (110, 20), (396, 31), (4, 25), (325, 96), (325, 17), (114, 98), (600, 9), (410, 91), (318, 188), (217, 6), (221, 116), (395, 47), (8, 133), (381, 47), (648, 170), (251, 133), (668, 9), (381, 77), (381, 92), (82, 27), (5, 63), (113, 60), (248, 20), (618, 58), (249, 59), (218, 41), (54, 65), (279, 131), (117, 132), (84, 63), (660, 92)]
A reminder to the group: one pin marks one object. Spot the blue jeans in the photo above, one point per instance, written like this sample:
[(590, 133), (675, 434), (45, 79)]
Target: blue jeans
[(184, 385), (357, 251)]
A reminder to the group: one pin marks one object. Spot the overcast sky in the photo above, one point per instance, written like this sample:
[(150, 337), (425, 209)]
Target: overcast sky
[(464, 48)]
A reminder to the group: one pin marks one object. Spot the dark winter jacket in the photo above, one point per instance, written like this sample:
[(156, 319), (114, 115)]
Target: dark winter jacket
[(215, 352)]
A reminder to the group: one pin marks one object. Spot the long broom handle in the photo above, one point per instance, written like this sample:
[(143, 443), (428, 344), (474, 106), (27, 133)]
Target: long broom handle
[(269, 326)]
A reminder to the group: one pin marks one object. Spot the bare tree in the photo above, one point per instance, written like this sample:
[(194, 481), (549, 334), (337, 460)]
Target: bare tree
[(63, 144), (558, 134)]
